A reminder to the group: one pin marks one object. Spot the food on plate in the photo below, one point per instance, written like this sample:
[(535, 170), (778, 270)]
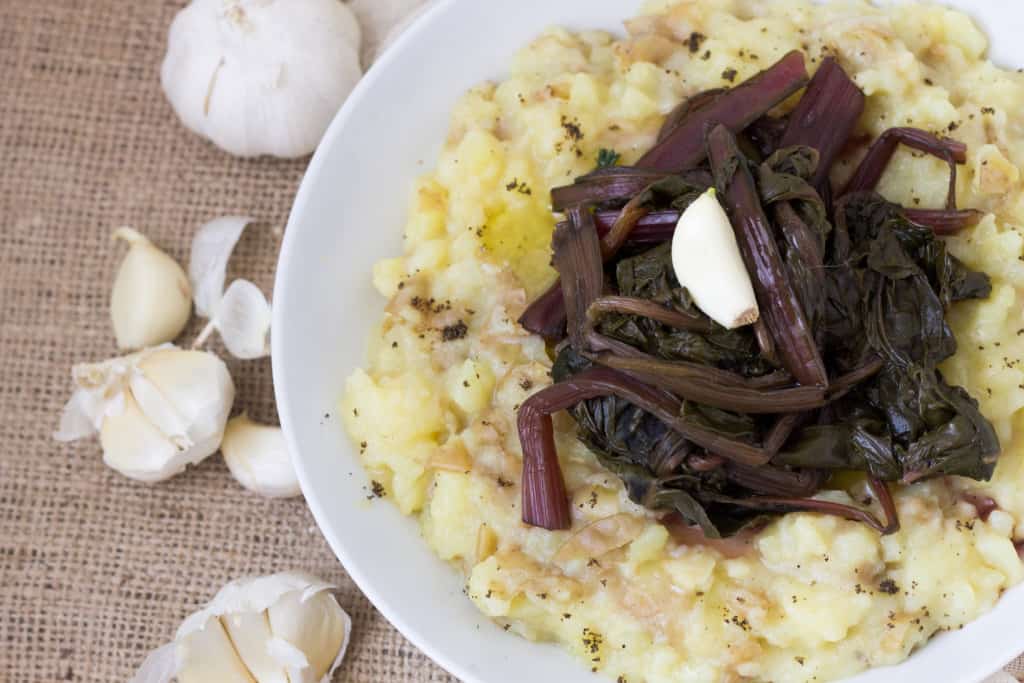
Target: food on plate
[(622, 449)]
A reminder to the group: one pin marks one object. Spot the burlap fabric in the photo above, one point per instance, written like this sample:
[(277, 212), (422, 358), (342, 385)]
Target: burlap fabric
[(95, 570)]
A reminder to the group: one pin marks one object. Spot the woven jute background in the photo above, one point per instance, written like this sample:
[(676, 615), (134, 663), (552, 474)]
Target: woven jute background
[(95, 569)]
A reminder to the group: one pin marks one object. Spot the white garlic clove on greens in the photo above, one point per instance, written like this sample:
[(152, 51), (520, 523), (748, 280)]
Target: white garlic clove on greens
[(261, 77), (151, 300), (258, 458), (157, 411), (284, 628), (707, 261)]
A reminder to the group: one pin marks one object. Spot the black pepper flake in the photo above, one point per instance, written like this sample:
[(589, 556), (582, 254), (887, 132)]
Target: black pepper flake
[(729, 75), (526, 384), (376, 490), (592, 641), (706, 56), (518, 186), (504, 483), (800, 660), (593, 563), (394, 345), (928, 81), (953, 125), (566, 615), (889, 587), (572, 129), (542, 596), (695, 40), (453, 332), (988, 110)]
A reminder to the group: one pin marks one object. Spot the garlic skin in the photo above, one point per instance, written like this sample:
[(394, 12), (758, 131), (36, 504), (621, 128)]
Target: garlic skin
[(707, 261), (157, 411), (261, 77), (151, 299), (258, 458), (284, 628), (241, 313)]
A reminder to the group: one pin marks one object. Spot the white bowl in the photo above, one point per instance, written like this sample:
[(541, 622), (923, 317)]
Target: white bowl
[(348, 214)]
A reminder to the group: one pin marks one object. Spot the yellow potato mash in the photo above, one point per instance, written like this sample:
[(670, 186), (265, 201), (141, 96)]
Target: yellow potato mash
[(434, 412)]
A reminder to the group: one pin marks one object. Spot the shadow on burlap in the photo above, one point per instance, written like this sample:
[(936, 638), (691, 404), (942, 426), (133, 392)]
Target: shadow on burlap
[(95, 569)]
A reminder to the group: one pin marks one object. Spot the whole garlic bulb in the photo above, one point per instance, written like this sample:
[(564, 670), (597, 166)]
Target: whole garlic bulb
[(284, 628), (261, 76), (258, 458), (157, 411), (151, 300)]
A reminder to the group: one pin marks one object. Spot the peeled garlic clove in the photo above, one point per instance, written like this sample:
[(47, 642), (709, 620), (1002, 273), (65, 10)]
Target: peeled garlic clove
[(151, 300), (258, 458), (157, 411), (261, 77), (208, 263), (707, 261), (284, 628), (316, 625), (207, 655)]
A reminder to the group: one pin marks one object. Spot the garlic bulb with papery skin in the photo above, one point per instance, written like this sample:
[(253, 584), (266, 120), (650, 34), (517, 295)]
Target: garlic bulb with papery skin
[(261, 77), (707, 261), (157, 411), (284, 628), (151, 300), (258, 458)]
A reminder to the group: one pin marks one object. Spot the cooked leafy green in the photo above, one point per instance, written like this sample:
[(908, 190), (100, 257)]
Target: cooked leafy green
[(724, 429)]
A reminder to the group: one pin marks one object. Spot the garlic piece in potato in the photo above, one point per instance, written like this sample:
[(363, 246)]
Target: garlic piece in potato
[(261, 77), (707, 261), (157, 411), (284, 628), (258, 458), (151, 300)]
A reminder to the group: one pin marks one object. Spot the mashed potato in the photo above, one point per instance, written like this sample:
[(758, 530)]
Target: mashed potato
[(818, 597)]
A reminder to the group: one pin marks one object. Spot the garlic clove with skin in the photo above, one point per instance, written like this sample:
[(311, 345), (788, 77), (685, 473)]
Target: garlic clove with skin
[(209, 656), (284, 628), (250, 633), (315, 625), (261, 77), (151, 299), (708, 263), (157, 411), (258, 458)]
